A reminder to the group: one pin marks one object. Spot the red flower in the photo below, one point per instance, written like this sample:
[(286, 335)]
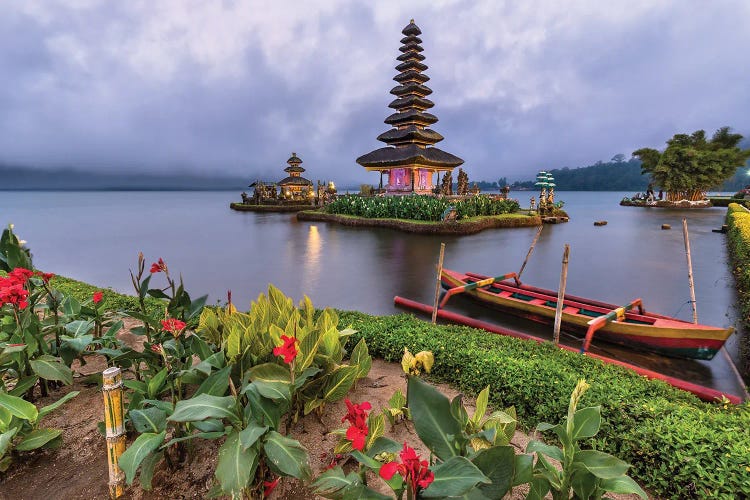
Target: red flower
[(158, 267), (20, 275), (12, 291), (287, 350), (269, 486), (173, 326), (97, 297), (415, 472), (357, 417), (45, 276)]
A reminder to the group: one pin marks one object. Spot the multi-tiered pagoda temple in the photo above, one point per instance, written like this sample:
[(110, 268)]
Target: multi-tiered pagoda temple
[(410, 160)]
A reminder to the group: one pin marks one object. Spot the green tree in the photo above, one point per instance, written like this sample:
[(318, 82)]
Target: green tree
[(690, 164)]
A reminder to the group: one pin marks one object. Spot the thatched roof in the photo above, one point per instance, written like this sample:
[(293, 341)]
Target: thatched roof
[(393, 157)]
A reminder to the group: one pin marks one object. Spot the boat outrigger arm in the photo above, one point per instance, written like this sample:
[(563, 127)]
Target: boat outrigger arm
[(617, 314), (472, 286)]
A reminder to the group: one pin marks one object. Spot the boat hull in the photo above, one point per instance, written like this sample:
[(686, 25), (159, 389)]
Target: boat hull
[(647, 332)]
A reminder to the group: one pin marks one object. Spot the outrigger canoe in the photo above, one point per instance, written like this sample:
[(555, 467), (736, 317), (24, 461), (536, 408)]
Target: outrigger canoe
[(628, 325)]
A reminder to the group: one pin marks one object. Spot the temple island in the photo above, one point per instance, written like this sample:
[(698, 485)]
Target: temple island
[(291, 194)]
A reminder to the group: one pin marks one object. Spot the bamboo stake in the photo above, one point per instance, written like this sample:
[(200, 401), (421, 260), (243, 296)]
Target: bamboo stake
[(690, 270), (437, 283), (531, 250), (561, 294), (115, 428)]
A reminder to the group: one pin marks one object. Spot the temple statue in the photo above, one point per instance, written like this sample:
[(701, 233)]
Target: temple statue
[(462, 183), (447, 187), (410, 161)]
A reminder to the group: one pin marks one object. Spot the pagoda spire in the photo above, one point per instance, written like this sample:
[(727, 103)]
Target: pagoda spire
[(410, 141)]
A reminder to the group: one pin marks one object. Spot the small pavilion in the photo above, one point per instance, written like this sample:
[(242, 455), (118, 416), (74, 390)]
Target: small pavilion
[(410, 160)]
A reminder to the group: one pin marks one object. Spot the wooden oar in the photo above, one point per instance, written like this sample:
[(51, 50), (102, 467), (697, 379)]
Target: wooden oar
[(614, 315), (473, 286), (531, 250), (561, 295), (437, 284)]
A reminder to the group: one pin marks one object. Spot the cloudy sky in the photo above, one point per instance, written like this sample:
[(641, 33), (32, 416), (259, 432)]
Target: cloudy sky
[(233, 87)]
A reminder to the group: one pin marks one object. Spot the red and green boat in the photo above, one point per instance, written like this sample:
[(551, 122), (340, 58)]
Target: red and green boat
[(628, 325)]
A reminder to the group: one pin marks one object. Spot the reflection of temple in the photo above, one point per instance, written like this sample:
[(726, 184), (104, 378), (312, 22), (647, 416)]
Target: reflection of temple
[(410, 160)]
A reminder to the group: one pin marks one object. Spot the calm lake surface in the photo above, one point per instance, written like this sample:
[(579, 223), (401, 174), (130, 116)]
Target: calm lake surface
[(96, 237)]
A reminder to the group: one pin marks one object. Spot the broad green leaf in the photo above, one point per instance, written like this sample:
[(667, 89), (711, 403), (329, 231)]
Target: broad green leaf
[(202, 435), (365, 460), (383, 444), (431, 414), (236, 466), (459, 411), (147, 469), (330, 483), (454, 477), (272, 380), (136, 385), (360, 491), (583, 483), (361, 357), (286, 457), (79, 327), (523, 470), (586, 422), (481, 407), (549, 450), (308, 347), (148, 420), (5, 439), (156, 384), (113, 329), (37, 438), (24, 385), (263, 410), (216, 384), (71, 306), (50, 408), (203, 407), (601, 464), (19, 407), (538, 489), (49, 368), (376, 426), (209, 425), (497, 463), (144, 445), (250, 434), (338, 383), (622, 484)]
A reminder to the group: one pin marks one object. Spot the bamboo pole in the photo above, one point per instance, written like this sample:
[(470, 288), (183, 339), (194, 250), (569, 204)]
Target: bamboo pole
[(561, 294), (437, 283), (531, 250), (115, 428), (690, 270)]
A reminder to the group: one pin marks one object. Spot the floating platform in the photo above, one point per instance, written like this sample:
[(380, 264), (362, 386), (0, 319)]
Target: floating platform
[(246, 207)]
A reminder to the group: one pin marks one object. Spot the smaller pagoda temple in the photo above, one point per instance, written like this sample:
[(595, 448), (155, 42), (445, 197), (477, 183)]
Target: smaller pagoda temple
[(295, 186), (410, 161)]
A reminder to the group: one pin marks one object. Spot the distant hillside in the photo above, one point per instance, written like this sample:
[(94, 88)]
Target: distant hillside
[(18, 178)]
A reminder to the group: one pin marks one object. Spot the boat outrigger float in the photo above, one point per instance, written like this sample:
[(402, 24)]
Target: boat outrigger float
[(630, 325)]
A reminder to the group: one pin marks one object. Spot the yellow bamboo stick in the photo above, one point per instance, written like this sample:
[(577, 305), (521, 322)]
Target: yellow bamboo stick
[(115, 428)]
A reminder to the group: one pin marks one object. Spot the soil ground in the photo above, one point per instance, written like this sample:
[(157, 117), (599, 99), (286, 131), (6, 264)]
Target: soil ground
[(78, 470)]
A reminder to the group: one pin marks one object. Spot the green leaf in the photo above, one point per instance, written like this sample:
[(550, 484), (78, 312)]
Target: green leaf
[(549, 450), (147, 469), (584, 483), (156, 384), (37, 438), (383, 444), (272, 380), (431, 414), (148, 420), (263, 410), (361, 357), (622, 484), (601, 464), (19, 407), (308, 348), (50, 408), (217, 384), (365, 460), (459, 412), (24, 385), (523, 470), (236, 466), (338, 383), (497, 463), (454, 477), (49, 368), (586, 422), (332, 482), (144, 445), (79, 327), (538, 489), (250, 434), (71, 306), (376, 426), (286, 457), (203, 407), (481, 407), (5, 439)]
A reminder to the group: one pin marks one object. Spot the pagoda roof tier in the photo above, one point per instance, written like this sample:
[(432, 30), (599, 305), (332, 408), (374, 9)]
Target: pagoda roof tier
[(410, 117), (411, 89), (294, 159), (411, 39), (411, 76), (411, 29), (411, 102), (294, 181), (411, 55), (408, 156), (294, 167), (410, 134), (409, 47), (411, 65)]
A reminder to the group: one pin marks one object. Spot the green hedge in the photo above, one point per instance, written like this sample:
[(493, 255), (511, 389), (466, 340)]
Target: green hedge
[(738, 243), (112, 300), (679, 446)]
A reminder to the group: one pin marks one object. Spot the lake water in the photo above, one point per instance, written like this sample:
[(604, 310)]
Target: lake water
[(96, 237)]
